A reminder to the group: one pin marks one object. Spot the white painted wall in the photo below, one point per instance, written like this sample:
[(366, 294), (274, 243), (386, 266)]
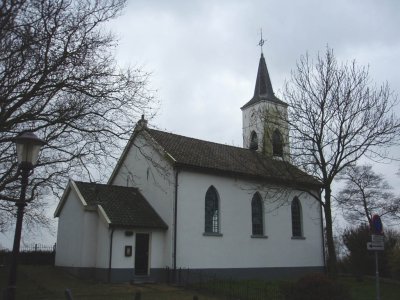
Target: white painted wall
[(70, 232), (236, 248), (147, 169), (89, 239), (77, 234), (156, 248), (83, 240), (103, 244), (120, 240)]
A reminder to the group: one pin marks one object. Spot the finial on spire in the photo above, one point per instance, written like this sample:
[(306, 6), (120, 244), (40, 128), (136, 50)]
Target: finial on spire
[(141, 124), (261, 42)]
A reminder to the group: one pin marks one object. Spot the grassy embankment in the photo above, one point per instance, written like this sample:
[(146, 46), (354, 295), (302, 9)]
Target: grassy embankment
[(46, 282)]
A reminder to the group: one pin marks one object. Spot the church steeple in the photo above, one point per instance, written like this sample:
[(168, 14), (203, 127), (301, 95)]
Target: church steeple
[(263, 90), (263, 86), (265, 127)]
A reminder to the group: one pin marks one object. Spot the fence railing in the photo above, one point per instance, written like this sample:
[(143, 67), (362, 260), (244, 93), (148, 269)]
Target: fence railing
[(36, 254), (226, 287), (38, 248)]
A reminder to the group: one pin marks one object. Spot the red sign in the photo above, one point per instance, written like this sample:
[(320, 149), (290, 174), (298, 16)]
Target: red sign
[(376, 225)]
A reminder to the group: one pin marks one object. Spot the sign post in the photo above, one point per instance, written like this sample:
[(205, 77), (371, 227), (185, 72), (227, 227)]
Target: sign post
[(377, 244)]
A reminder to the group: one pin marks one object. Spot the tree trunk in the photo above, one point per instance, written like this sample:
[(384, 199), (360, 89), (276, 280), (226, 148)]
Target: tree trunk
[(331, 261)]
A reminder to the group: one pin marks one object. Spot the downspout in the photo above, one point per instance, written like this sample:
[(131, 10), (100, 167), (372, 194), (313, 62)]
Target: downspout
[(175, 218), (110, 258)]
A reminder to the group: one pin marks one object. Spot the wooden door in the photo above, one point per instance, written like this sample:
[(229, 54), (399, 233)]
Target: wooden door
[(142, 254)]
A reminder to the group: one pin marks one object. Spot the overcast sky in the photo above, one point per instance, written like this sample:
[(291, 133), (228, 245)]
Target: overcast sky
[(203, 55)]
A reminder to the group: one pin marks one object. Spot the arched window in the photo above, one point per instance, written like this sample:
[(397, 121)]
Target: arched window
[(257, 219), (211, 211), (277, 144), (297, 228), (253, 141)]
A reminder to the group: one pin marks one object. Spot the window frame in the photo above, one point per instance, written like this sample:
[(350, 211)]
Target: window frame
[(277, 143), (212, 217), (297, 219), (257, 212), (253, 140)]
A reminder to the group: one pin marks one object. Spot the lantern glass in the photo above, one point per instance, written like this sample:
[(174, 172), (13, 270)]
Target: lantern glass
[(28, 148)]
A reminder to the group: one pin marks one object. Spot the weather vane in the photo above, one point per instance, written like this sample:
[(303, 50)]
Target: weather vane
[(261, 42)]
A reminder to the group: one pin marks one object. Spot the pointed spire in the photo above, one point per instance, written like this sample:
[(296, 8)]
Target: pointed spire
[(263, 88)]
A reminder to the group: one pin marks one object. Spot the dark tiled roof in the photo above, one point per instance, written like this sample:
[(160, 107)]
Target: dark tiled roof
[(124, 206), (213, 157), (263, 90)]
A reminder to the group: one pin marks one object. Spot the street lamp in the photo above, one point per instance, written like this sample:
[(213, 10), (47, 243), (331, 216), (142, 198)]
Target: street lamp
[(28, 147)]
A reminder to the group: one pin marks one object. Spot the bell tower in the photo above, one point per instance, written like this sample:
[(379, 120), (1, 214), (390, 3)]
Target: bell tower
[(265, 127)]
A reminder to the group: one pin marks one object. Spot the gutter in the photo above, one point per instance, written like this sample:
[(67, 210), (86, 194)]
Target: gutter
[(175, 218), (110, 257)]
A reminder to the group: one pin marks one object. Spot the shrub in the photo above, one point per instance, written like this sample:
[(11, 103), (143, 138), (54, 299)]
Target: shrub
[(394, 262), (317, 286), (360, 261)]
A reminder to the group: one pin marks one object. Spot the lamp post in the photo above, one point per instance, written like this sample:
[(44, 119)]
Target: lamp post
[(28, 147)]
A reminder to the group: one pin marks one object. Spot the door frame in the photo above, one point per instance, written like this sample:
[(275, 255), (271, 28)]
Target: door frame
[(148, 253)]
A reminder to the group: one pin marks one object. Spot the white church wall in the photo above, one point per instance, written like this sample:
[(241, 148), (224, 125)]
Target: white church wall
[(146, 169), (103, 244), (298, 252), (236, 248), (120, 240), (77, 234), (70, 232), (156, 248), (89, 239)]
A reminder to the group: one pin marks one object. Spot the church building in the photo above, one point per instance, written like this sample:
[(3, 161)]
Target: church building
[(177, 202)]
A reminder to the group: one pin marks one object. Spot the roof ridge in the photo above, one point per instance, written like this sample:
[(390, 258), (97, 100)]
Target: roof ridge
[(197, 139), (106, 184), (216, 157)]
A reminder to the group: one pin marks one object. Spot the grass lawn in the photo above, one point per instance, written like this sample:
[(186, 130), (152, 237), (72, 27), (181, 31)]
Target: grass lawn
[(365, 290), (46, 282), (359, 290)]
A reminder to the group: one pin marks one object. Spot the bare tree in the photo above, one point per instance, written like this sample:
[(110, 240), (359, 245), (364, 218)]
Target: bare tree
[(59, 79), (367, 193), (336, 116)]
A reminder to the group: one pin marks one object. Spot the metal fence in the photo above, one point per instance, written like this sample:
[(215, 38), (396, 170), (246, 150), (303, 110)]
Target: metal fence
[(35, 254), (38, 248), (228, 288)]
